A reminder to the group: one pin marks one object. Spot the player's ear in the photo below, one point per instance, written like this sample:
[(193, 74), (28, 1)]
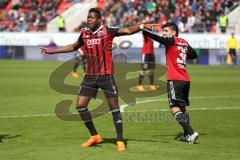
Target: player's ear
[(174, 33)]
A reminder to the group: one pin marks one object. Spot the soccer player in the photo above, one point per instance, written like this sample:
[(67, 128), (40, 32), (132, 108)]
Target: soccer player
[(148, 63), (232, 48), (178, 81), (97, 39)]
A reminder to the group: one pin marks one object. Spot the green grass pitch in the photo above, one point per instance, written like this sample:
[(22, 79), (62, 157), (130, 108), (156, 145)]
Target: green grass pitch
[(29, 130)]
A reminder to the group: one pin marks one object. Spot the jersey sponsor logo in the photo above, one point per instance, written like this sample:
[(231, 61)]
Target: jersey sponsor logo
[(91, 42)]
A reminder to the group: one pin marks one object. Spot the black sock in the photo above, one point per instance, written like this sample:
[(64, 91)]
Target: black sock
[(75, 67), (87, 118), (235, 62), (188, 121), (151, 78), (140, 80), (183, 121), (117, 119), (188, 117)]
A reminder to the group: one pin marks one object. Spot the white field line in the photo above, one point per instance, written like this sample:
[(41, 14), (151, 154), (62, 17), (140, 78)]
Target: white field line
[(146, 101), (195, 98)]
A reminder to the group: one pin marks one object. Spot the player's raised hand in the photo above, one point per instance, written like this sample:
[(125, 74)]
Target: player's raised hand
[(149, 26), (45, 50)]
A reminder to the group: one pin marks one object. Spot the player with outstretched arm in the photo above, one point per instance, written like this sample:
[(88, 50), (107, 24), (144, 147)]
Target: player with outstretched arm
[(178, 82), (97, 39)]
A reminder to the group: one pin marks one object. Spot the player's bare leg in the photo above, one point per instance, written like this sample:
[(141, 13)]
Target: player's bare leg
[(183, 120), (82, 103), (117, 120)]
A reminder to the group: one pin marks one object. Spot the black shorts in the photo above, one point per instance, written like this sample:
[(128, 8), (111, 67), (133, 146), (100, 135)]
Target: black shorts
[(148, 61), (90, 85), (232, 52), (178, 92)]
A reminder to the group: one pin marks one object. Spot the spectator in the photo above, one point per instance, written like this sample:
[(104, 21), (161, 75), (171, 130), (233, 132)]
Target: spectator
[(181, 26), (100, 4), (43, 22), (223, 22), (208, 21), (22, 25), (61, 24), (194, 6), (190, 26)]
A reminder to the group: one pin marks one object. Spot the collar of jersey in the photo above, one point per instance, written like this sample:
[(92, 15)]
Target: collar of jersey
[(96, 30)]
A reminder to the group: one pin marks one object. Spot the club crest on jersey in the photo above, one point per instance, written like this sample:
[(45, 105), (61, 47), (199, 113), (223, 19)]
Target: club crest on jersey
[(91, 42), (100, 33)]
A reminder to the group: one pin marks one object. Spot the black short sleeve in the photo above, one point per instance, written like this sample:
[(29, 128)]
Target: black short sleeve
[(112, 31), (161, 39), (80, 39), (191, 54)]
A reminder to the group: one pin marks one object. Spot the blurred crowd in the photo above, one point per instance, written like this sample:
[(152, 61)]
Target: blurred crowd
[(3, 3), (28, 15), (190, 15)]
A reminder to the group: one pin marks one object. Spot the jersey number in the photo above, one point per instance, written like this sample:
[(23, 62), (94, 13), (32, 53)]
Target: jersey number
[(183, 55)]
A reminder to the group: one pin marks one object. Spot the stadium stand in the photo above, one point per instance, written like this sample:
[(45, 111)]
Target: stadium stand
[(3, 4), (190, 15), (30, 15)]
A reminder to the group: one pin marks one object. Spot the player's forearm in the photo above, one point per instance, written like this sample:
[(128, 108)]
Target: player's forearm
[(156, 37), (65, 49), (129, 31), (134, 29)]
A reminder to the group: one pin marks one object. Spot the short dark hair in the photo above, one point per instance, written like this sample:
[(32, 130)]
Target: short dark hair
[(97, 11), (172, 25)]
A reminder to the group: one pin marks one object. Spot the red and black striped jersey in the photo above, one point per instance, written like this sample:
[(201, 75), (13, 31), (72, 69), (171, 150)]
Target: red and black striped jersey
[(98, 46)]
